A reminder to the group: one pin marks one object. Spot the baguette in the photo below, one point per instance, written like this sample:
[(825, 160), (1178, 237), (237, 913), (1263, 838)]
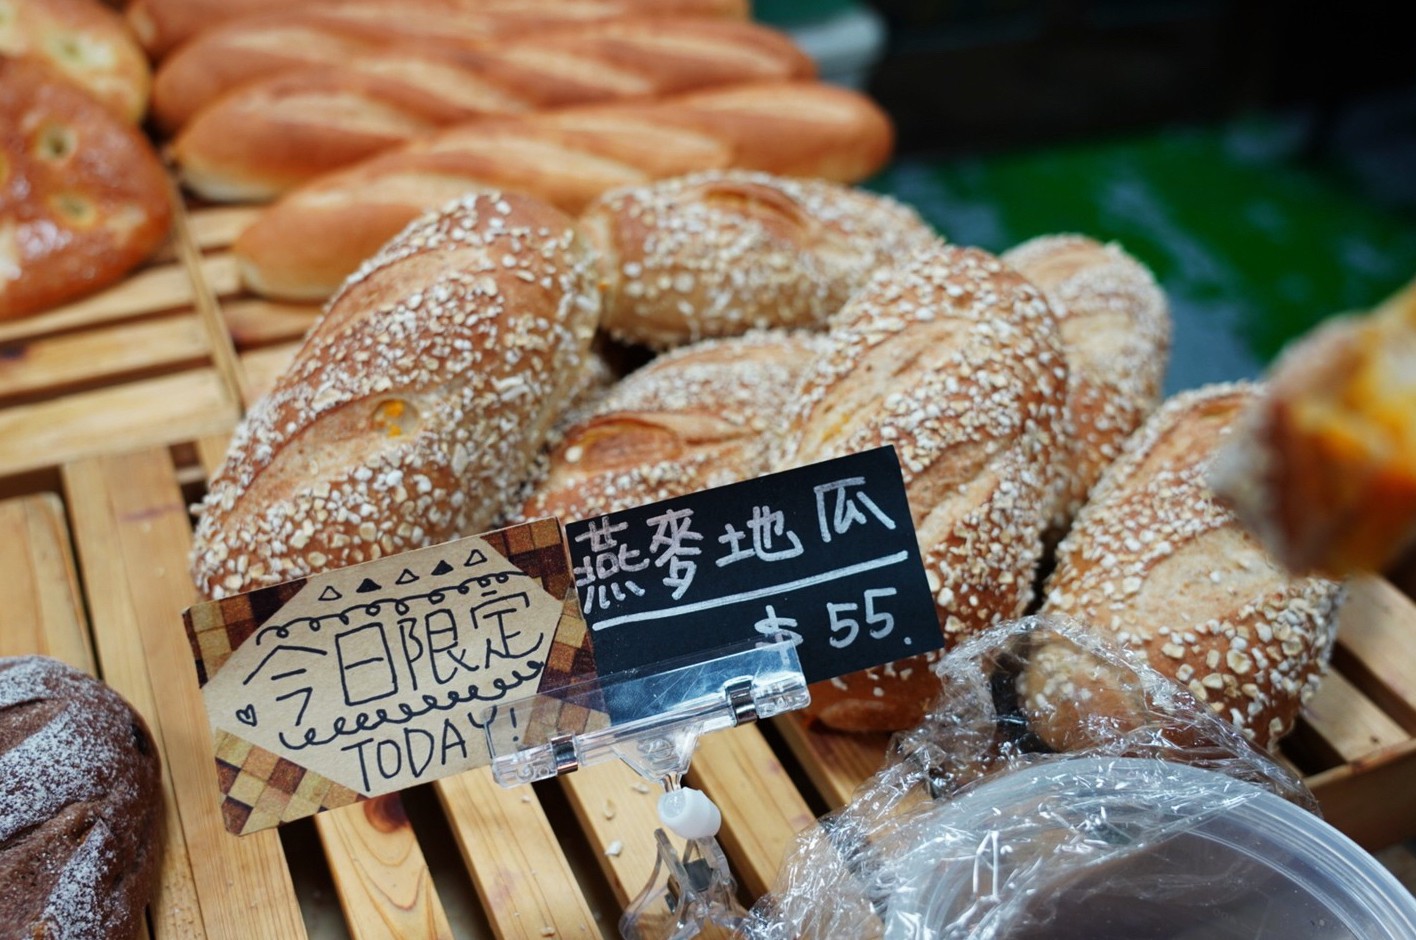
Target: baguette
[(84, 42), (416, 404), (83, 198), (718, 253), (304, 245), (954, 359), (694, 418), (297, 125), (244, 50), (1323, 468), (1155, 564), (1115, 330)]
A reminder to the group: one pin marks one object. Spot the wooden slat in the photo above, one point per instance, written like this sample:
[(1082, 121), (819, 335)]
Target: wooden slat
[(762, 810), (263, 367), (152, 290), (384, 885), (133, 537), (522, 876), (1370, 799), (218, 227), (54, 365), (222, 274), (617, 811), (835, 763), (39, 592), (154, 411), (1377, 647), (262, 322), (1346, 723)]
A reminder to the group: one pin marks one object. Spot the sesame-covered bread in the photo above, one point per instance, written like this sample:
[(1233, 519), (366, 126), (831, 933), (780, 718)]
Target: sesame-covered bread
[(695, 418), (954, 359), (417, 403), (1114, 322), (722, 252), (1159, 567), (80, 806)]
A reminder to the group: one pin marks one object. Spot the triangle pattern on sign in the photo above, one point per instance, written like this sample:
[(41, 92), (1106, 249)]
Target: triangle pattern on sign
[(368, 585), (476, 558), (407, 577), (442, 568), (330, 593)]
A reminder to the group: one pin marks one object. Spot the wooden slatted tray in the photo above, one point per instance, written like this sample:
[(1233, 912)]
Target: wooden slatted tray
[(95, 559)]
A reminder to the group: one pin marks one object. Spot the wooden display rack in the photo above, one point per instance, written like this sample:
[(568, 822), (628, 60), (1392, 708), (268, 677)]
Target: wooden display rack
[(113, 412)]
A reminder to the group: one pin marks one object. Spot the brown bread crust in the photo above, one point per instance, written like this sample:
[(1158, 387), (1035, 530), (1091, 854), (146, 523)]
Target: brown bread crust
[(86, 44), (1159, 567), (416, 404), (954, 359), (80, 806)]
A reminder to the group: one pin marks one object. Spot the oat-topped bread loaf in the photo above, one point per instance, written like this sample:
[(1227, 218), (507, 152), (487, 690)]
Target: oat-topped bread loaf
[(718, 253), (1114, 322), (80, 806), (83, 198), (1156, 565), (86, 44), (954, 359), (417, 403), (695, 418)]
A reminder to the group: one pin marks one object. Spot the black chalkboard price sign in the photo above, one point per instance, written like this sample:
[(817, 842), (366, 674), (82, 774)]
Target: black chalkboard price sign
[(824, 555)]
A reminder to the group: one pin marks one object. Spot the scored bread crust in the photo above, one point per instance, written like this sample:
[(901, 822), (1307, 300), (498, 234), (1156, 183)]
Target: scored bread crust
[(695, 418), (416, 404), (1114, 323), (80, 806), (83, 198), (305, 244), (721, 252), (954, 359), (1156, 565), (86, 44)]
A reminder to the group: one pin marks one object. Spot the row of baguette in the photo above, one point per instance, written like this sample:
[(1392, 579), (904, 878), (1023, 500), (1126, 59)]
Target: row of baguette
[(422, 404), (375, 112)]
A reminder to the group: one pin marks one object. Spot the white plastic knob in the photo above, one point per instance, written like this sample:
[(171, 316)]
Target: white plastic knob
[(689, 814)]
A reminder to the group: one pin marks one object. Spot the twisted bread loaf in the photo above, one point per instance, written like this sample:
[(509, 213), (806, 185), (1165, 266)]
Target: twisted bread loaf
[(415, 405), (80, 806), (954, 359), (694, 418), (303, 246), (85, 43), (1114, 324), (328, 33), (718, 253), (1159, 567), (83, 198), (291, 127)]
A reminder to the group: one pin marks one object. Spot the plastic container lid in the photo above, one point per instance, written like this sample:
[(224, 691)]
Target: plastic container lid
[(1127, 848)]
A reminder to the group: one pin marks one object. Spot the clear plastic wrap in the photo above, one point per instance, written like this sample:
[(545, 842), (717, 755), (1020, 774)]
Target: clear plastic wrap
[(977, 828)]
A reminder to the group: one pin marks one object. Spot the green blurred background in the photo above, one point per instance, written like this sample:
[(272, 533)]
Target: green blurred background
[(1259, 157)]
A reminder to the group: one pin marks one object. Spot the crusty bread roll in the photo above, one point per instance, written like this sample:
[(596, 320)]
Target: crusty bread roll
[(1115, 327), (86, 43), (1155, 564), (954, 359), (304, 245), (83, 198), (327, 33), (416, 404), (296, 125), (692, 419), (163, 25), (80, 806), (718, 253), (1323, 467)]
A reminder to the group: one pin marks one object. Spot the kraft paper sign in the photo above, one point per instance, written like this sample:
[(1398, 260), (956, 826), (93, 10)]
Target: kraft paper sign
[(373, 678)]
